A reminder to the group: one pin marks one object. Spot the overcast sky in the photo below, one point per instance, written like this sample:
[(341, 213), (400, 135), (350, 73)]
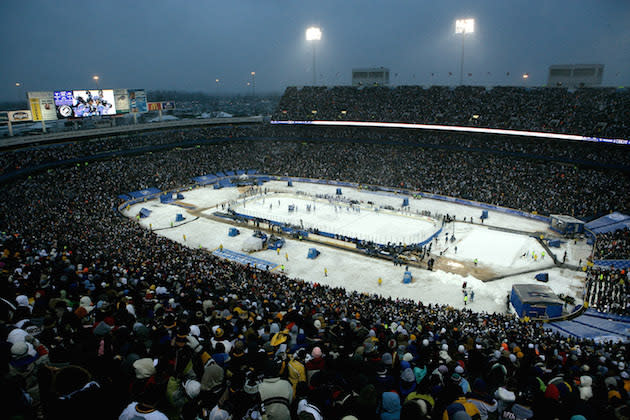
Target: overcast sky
[(187, 44)]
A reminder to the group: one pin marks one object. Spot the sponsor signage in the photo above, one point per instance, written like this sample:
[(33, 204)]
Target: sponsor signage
[(121, 101), (155, 106), (18, 116), (137, 100), (42, 106), (161, 106)]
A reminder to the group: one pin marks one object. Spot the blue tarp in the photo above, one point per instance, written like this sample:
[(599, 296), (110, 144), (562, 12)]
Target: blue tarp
[(233, 232), (124, 197), (609, 223), (618, 264), (166, 197), (205, 179), (244, 259), (145, 193), (144, 212), (312, 253)]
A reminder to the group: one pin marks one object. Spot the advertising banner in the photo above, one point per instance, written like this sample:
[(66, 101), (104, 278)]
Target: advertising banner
[(137, 100), (161, 106), (168, 106), (121, 101), (155, 106), (42, 106), (18, 116)]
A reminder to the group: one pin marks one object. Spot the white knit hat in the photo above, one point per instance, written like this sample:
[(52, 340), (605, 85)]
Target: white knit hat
[(193, 388)]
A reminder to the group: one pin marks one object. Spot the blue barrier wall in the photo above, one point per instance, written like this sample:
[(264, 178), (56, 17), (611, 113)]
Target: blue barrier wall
[(618, 264)]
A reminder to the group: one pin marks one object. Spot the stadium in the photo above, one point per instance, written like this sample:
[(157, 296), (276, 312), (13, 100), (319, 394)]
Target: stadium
[(362, 252)]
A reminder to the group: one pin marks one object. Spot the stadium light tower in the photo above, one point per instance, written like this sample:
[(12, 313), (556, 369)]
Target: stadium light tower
[(314, 34), (463, 26), (96, 78), (253, 83), (217, 84)]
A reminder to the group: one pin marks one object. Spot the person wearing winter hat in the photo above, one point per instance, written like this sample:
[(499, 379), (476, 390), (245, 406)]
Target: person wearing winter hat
[(145, 407), (390, 408), (276, 394), (193, 388), (212, 383), (586, 390), (86, 303), (461, 381), (296, 369), (480, 397), (461, 409), (22, 301), (27, 357), (144, 368), (315, 364), (425, 404), (387, 359), (407, 383)]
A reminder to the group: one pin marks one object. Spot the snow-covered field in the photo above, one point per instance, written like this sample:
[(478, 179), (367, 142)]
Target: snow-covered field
[(497, 251)]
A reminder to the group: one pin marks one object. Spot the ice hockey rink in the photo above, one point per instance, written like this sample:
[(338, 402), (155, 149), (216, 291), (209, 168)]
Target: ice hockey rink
[(503, 245)]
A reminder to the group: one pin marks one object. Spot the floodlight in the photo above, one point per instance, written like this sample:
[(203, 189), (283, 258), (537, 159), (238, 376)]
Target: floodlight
[(464, 26), (313, 34), (95, 78), (17, 84), (525, 76)]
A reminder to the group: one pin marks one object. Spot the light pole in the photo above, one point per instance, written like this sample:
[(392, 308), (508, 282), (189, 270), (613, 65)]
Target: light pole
[(525, 77), (17, 89), (217, 84), (96, 81), (253, 83), (463, 26), (314, 34)]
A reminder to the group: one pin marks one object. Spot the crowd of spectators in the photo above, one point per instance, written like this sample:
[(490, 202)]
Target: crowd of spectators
[(613, 245), (481, 170), (600, 112), (607, 290), (115, 321)]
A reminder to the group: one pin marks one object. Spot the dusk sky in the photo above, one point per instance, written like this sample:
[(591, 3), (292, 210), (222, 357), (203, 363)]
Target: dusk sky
[(187, 44)]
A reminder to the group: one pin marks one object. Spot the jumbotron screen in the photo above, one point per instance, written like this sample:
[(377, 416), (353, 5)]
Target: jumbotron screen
[(84, 103)]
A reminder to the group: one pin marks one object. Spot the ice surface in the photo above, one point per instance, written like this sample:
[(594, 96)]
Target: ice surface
[(496, 250)]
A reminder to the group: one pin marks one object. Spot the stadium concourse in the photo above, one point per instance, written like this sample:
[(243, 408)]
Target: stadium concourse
[(108, 313)]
